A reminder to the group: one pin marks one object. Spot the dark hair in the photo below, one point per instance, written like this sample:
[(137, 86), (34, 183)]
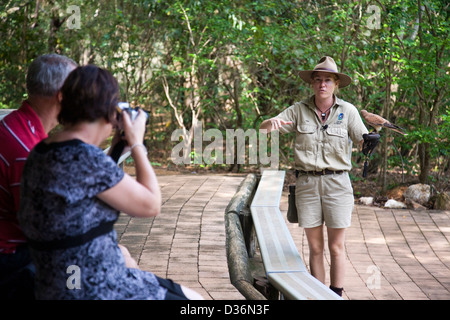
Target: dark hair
[(88, 94), (46, 74)]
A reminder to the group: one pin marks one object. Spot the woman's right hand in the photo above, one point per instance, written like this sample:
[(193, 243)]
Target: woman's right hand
[(139, 196), (134, 130)]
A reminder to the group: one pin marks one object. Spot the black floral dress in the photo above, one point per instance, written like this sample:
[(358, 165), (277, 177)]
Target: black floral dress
[(70, 231)]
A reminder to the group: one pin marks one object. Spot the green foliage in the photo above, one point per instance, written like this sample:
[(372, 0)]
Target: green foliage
[(232, 64)]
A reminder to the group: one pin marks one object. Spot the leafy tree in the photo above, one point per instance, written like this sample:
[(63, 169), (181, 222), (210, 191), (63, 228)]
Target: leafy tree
[(231, 64)]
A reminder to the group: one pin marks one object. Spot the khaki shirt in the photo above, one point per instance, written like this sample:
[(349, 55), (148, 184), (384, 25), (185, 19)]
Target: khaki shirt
[(318, 145)]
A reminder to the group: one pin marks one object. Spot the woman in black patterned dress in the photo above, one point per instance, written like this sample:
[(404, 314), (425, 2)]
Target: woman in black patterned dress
[(72, 194)]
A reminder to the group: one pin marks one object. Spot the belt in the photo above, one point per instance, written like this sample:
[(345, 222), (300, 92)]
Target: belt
[(319, 173), (72, 241)]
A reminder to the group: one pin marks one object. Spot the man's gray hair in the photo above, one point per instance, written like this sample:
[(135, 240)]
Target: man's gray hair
[(47, 73)]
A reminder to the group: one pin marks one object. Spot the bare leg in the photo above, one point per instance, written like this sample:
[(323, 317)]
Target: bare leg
[(316, 247), (336, 244), (191, 294), (129, 261)]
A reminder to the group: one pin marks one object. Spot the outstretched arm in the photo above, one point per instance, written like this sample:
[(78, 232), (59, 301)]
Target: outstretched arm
[(273, 124)]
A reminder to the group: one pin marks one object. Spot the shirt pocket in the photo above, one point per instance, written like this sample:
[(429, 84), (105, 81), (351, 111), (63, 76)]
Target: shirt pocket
[(306, 128), (337, 132), (306, 137), (337, 138)]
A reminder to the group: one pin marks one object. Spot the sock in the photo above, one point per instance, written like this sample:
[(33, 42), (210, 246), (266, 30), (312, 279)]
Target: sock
[(338, 291)]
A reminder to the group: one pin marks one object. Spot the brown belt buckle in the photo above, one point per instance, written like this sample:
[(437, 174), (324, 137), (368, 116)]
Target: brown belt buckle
[(324, 172)]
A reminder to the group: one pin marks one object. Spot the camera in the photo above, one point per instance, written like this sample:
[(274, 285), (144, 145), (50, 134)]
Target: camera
[(132, 112)]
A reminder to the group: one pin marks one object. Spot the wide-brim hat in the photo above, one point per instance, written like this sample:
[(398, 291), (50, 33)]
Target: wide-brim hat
[(327, 64)]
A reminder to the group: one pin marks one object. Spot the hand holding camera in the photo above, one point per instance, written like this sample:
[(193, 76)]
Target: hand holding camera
[(131, 128)]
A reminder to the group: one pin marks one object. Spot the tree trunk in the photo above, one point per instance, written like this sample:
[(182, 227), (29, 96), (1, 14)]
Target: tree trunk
[(424, 160)]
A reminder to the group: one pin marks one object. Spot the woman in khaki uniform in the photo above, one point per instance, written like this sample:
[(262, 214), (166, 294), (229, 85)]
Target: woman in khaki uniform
[(325, 128)]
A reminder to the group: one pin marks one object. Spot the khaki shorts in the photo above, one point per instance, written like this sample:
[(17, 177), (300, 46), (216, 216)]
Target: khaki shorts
[(327, 198)]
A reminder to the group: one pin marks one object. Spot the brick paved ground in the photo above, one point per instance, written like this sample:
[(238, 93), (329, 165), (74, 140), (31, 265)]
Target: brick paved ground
[(186, 242), (392, 254)]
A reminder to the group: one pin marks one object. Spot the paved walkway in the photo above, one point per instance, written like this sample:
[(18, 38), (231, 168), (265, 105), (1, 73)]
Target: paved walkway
[(391, 254)]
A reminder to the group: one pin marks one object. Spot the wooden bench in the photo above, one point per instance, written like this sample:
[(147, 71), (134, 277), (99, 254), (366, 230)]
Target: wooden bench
[(283, 264)]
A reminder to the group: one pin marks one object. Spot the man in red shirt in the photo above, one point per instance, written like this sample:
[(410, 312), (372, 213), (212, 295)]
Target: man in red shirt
[(20, 131)]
